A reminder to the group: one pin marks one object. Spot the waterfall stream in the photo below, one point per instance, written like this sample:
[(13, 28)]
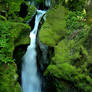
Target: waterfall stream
[(30, 78)]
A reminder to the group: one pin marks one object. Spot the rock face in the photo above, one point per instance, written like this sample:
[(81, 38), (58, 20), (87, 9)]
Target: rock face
[(69, 34)]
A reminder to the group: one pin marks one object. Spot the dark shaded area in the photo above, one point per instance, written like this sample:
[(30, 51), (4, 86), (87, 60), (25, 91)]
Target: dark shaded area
[(18, 54), (66, 86), (41, 6), (3, 13), (32, 22), (23, 10)]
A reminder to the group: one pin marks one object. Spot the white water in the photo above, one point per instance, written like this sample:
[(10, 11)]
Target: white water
[(30, 79), (48, 3)]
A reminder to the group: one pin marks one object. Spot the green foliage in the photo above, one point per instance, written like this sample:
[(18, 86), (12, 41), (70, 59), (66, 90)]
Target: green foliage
[(75, 20), (5, 54), (71, 74), (12, 34), (20, 33), (31, 13), (89, 12), (70, 58), (66, 51), (39, 1), (75, 5), (13, 6), (2, 18), (8, 76), (76, 23), (54, 27)]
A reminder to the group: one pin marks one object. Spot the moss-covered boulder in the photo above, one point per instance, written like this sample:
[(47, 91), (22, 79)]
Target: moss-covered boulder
[(54, 27), (20, 32), (65, 73), (11, 7), (13, 34)]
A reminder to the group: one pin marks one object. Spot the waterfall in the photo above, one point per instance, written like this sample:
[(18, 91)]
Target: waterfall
[(30, 78), (48, 3)]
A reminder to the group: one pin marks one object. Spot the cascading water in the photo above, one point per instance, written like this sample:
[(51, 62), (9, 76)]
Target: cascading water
[(30, 78), (48, 3)]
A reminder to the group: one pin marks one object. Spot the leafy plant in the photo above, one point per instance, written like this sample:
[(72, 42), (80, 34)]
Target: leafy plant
[(76, 24)]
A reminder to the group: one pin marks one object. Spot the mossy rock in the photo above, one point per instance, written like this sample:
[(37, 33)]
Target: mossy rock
[(16, 34), (8, 76), (31, 12), (20, 32), (69, 51), (10, 5), (69, 74), (54, 28)]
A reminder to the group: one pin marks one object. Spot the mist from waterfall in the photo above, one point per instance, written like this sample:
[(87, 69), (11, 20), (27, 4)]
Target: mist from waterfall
[(30, 79)]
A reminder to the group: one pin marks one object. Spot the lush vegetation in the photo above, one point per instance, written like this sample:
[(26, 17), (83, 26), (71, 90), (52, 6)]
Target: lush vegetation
[(52, 32), (13, 32), (67, 30)]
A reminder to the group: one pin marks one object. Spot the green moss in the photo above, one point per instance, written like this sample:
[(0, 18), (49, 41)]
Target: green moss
[(63, 71), (10, 5), (20, 33), (66, 51), (74, 4), (69, 64), (13, 34), (2, 18), (77, 25), (71, 74), (39, 1), (8, 76), (54, 27), (88, 45), (89, 12), (14, 6), (70, 60), (31, 12)]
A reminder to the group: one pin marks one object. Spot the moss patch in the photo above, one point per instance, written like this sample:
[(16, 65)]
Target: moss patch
[(54, 27), (8, 76)]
